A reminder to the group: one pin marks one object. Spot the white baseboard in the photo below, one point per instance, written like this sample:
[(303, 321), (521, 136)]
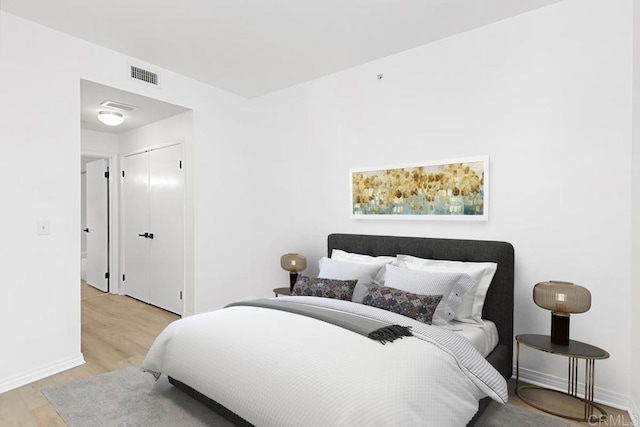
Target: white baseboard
[(43, 372), (601, 395)]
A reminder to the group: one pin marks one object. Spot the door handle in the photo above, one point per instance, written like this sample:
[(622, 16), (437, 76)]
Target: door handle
[(150, 236), (86, 230), (144, 235)]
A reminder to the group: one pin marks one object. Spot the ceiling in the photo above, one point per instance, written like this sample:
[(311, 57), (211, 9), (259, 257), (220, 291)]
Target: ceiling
[(147, 110), (255, 47)]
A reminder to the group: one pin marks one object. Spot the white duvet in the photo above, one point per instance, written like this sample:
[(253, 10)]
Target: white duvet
[(275, 368)]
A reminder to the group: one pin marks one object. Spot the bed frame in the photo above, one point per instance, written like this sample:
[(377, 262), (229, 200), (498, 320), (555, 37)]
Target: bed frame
[(498, 306)]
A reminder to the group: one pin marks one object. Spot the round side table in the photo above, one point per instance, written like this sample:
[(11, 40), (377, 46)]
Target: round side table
[(575, 351), (282, 291)]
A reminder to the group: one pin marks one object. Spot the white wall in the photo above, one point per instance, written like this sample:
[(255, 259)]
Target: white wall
[(178, 128), (546, 95), (40, 304), (102, 143), (635, 328)]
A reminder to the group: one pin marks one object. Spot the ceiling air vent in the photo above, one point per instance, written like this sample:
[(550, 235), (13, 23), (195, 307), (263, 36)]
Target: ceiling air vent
[(143, 75), (118, 105)]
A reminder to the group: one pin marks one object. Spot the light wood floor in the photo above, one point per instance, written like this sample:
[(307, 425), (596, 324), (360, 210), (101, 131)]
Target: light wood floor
[(117, 332)]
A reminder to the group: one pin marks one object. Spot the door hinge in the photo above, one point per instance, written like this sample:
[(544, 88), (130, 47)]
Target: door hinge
[(180, 164), (106, 275), (180, 294), (123, 277), (106, 174), (123, 174)]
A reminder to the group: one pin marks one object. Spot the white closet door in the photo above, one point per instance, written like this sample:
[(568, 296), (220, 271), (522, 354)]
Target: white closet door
[(166, 222), (97, 224), (136, 223)]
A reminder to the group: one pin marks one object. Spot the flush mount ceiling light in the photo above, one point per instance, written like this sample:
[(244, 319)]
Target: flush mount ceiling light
[(110, 118)]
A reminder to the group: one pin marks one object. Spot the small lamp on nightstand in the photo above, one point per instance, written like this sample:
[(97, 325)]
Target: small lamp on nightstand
[(293, 263), (562, 298)]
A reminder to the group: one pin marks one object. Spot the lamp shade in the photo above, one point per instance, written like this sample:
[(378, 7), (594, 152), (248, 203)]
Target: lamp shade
[(562, 297), (110, 118), (293, 262)]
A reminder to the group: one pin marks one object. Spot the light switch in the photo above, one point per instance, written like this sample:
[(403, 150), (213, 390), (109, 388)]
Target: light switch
[(42, 227)]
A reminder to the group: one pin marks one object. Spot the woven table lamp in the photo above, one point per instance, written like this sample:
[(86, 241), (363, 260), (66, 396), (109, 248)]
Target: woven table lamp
[(562, 298), (293, 263)]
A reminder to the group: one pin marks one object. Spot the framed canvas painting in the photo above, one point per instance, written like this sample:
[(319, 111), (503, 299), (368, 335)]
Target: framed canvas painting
[(456, 189)]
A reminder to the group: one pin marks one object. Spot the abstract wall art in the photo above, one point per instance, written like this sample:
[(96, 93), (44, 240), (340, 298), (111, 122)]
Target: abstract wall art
[(455, 189)]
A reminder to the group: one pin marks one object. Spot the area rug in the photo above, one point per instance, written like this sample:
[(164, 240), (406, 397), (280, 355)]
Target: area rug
[(497, 415), (130, 397)]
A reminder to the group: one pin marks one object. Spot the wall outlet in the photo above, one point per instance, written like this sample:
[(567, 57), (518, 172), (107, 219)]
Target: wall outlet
[(42, 227)]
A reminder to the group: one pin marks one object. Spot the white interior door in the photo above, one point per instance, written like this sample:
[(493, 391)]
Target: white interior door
[(136, 224), (166, 222), (97, 230)]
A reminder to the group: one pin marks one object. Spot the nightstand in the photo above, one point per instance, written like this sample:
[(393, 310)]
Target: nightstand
[(575, 351), (282, 291)]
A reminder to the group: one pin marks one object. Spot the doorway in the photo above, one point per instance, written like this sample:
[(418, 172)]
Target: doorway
[(148, 124)]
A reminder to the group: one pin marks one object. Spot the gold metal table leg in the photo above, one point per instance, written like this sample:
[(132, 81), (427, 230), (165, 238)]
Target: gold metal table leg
[(572, 390), (517, 366)]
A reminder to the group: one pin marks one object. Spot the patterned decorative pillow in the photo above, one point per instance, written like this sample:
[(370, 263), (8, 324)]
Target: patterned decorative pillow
[(365, 274), (419, 307), (326, 288)]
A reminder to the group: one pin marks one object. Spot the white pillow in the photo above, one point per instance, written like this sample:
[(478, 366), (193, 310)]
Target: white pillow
[(451, 285), (340, 255), (342, 270), (470, 310)]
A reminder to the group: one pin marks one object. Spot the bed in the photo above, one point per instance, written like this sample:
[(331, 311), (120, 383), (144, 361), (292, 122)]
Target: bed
[(262, 366)]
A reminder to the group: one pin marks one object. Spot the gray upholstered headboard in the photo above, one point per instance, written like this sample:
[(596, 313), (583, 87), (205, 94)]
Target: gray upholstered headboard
[(498, 306)]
